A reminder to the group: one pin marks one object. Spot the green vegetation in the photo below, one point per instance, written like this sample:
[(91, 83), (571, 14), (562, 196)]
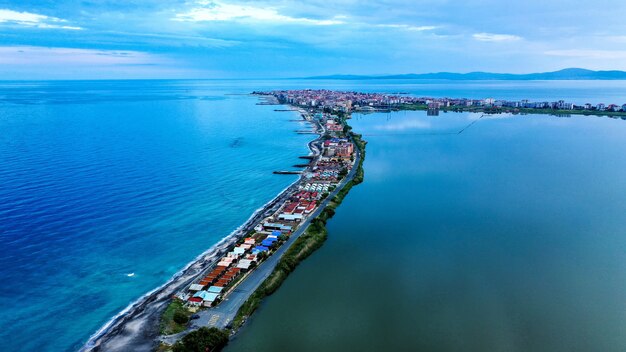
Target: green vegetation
[(174, 319), (300, 249), (180, 317), (175, 316), (203, 339), (306, 244)]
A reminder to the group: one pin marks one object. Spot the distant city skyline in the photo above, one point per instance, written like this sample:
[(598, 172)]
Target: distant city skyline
[(71, 39)]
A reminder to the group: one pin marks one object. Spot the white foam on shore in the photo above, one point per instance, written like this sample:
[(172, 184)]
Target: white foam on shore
[(207, 255)]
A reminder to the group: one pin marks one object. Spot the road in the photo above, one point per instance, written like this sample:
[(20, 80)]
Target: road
[(223, 314)]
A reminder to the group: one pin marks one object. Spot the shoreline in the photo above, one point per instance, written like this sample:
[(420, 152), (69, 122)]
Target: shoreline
[(508, 110), (136, 327), (232, 313)]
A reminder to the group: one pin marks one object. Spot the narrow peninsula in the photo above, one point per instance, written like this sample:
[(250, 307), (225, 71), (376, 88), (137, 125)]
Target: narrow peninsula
[(209, 300)]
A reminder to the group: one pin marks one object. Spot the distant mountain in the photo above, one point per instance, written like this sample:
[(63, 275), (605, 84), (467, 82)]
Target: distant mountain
[(566, 74)]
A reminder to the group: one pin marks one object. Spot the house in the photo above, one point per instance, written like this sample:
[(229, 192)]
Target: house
[(224, 264), (195, 301), (206, 298), (257, 249), (333, 126), (275, 226), (290, 217), (268, 242), (196, 287), (244, 264)]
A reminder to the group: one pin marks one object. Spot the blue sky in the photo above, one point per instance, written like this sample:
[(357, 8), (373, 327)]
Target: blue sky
[(66, 39)]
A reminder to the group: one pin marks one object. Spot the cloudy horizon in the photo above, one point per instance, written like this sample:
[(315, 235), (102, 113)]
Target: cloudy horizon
[(72, 39)]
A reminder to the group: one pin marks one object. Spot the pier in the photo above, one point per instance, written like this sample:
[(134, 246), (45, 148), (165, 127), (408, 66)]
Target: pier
[(287, 172)]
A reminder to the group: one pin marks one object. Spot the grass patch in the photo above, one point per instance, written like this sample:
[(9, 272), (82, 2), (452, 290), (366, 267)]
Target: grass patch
[(306, 244), (170, 325)]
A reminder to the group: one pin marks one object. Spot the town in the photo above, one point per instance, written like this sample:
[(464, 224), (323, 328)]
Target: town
[(342, 101), (332, 160)]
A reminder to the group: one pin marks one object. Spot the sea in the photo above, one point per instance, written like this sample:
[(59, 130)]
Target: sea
[(508, 236)]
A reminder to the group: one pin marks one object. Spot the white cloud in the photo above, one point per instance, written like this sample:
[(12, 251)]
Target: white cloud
[(408, 27), (35, 55), (219, 11), (592, 54), (492, 37), (30, 19)]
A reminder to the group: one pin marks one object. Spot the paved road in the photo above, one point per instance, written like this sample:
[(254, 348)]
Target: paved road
[(225, 312)]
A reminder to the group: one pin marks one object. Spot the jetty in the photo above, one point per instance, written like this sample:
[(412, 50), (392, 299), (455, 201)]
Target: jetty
[(287, 172)]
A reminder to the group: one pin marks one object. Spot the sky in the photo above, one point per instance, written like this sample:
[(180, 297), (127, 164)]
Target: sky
[(108, 39)]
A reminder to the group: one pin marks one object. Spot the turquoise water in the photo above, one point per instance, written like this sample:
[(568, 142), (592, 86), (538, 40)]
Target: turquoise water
[(103, 179), (510, 236), (117, 180)]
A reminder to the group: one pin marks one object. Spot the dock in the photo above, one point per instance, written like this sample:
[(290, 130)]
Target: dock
[(287, 172)]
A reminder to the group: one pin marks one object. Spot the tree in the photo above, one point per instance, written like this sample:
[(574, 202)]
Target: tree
[(201, 340), (180, 317)]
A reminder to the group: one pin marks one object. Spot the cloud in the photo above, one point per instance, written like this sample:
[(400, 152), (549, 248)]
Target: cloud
[(492, 37), (38, 62), (180, 39), (408, 27), (219, 11), (30, 19), (591, 54), (66, 57)]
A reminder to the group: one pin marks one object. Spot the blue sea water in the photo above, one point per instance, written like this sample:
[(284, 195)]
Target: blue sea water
[(108, 188)]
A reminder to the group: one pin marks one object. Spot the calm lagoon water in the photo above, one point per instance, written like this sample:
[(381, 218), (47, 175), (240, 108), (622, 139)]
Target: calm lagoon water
[(511, 229), (510, 236)]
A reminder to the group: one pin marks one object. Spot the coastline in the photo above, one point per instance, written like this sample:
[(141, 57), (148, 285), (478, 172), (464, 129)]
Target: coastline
[(508, 110), (136, 327), (312, 237)]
